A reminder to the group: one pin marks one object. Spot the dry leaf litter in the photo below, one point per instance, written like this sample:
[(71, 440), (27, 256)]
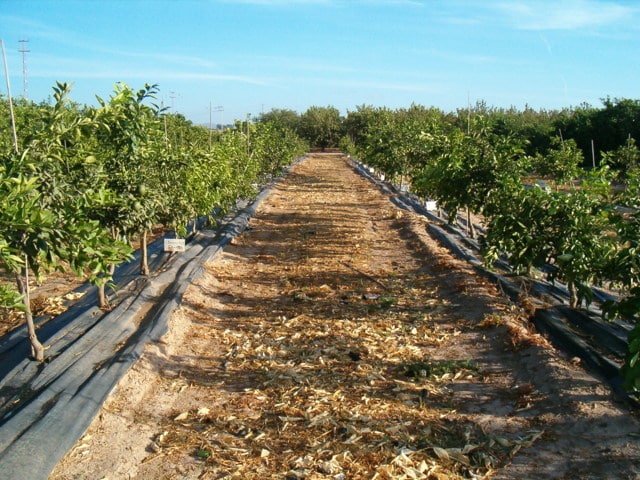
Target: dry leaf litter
[(330, 341)]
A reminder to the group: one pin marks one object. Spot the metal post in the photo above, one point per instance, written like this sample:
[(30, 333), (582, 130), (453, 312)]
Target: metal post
[(13, 118)]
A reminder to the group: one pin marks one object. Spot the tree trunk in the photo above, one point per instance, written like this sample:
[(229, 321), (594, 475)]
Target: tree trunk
[(470, 230), (144, 263), (103, 302), (452, 217), (102, 297), (22, 279), (573, 295)]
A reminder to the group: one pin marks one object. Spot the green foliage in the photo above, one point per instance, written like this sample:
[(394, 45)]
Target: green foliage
[(89, 178), (465, 170), (623, 266), (52, 189), (561, 163), (579, 240), (609, 127), (129, 148), (48, 193), (274, 145), (629, 307), (569, 231), (321, 126), (631, 369), (623, 269), (518, 227), (533, 128), (579, 236), (624, 159), (392, 142), (282, 118)]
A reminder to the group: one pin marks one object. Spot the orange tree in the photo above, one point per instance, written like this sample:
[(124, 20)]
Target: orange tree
[(322, 127), (463, 170), (623, 269), (568, 234), (48, 192), (129, 140)]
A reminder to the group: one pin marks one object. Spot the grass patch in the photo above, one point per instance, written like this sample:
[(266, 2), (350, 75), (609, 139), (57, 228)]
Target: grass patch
[(437, 368)]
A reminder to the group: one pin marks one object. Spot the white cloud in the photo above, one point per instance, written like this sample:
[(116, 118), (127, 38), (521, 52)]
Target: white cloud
[(450, 56), (564, 15), (376, 85), (177, 59), (39, 29), (150, 75), (403, 3), (284, 3), (296, 64), (547, 43), (68, 68), (279, 3)]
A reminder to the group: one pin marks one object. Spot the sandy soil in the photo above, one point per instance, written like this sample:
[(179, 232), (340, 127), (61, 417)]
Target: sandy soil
[(335, 339)]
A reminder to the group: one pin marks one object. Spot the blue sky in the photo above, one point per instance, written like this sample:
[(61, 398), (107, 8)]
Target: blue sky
[(249, 56)]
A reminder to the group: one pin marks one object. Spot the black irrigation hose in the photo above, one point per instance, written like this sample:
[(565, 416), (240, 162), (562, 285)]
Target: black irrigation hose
[(600, 345)]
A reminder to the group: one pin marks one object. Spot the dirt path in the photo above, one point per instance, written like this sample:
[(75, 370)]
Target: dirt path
[(335, 339)]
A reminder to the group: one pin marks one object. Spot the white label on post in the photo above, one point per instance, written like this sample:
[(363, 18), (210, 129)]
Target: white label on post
[(174, 245)]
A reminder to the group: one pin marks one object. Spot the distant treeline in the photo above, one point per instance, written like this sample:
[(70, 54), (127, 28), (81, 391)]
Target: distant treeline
[(594, 129)]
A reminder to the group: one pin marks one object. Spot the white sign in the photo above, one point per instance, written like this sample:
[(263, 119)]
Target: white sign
[(174, 245)]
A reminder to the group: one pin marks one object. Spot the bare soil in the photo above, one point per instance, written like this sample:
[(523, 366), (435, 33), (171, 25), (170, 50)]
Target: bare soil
[(335, 339)]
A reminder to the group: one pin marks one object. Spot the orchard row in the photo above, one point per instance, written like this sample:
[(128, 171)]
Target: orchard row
[(581, 226), (79, 184)]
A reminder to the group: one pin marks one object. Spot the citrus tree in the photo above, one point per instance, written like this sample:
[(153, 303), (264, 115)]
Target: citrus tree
[(48, 192), (623, 270), (465, 169), (321, 126), (562, 163), (129, 147)]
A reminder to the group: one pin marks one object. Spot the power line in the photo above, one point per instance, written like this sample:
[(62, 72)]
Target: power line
[(25, 84)]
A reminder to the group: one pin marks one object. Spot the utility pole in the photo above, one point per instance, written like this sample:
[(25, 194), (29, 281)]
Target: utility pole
[(220, 109), (211, 110), (248, 134), (468, 114), (23, 49)]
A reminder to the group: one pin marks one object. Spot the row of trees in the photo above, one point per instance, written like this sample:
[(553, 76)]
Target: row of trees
[(594, 130), (321, 127), (584, 231), (79, 184)]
